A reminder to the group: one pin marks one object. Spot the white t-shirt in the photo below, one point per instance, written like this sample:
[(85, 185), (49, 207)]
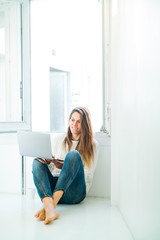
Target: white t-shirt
[(60, 152)]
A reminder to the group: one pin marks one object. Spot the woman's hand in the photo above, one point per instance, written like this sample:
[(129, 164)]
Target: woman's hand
[(58, 164), (46, 161)]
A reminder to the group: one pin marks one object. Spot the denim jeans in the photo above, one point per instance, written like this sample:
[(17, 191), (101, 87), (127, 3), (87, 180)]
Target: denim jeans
[(71, 179)]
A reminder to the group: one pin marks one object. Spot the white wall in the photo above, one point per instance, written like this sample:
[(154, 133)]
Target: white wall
[(101, 186), (135, 151)]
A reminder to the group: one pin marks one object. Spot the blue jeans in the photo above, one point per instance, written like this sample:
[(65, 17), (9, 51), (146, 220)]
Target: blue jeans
[(71, 179)]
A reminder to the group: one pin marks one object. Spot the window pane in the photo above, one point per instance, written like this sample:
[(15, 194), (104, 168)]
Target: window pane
[(10, 62), (67, 42)]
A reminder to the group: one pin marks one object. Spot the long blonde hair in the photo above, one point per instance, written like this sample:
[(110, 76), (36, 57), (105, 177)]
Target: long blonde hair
[(85, 146)]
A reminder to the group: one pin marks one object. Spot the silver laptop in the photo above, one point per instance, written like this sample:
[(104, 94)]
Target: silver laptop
[(34, 144)]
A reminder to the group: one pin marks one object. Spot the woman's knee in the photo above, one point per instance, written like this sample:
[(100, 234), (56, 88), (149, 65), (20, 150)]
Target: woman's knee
[(74, 157), (74, 154)]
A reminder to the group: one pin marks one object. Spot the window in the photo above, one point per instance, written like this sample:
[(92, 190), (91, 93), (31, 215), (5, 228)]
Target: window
[(14, 65), (66, 40)]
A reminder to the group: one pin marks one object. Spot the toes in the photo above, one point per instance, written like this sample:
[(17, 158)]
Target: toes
[(42, 217), (48, 220), (36, 215)]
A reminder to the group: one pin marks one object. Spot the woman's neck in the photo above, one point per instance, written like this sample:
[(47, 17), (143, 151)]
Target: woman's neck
[(75, 137)]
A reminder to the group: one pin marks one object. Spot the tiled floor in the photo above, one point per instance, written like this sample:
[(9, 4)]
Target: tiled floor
[(93, 219)]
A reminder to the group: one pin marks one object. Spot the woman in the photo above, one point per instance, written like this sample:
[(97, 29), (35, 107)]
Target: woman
[(67, 181)]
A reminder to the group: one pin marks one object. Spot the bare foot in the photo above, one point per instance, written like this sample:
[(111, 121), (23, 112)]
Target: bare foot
[(41, 215), (51, 214)]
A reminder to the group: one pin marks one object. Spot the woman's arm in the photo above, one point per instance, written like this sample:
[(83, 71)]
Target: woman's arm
[(58, 163)]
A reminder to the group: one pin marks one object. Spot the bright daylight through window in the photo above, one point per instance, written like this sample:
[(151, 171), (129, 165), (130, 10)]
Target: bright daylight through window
[(10, 62), (14, 65), (66, 40)]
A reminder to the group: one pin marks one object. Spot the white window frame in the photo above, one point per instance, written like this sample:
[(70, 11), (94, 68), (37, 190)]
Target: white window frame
[(106, 126), (26, 73)]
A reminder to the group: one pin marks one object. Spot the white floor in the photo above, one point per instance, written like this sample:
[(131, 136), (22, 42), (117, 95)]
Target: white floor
[(93, 219)]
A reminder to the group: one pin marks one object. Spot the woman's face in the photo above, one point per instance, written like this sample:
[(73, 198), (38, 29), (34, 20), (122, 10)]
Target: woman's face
[(75, 125)]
